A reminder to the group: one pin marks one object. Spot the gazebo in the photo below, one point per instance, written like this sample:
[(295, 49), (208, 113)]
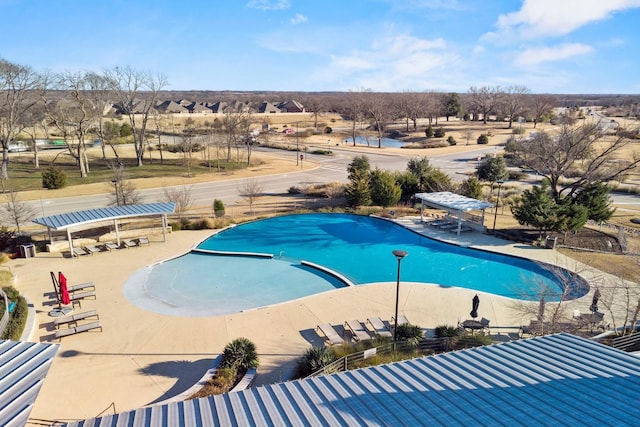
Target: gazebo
[(74, 221), (456, 205)]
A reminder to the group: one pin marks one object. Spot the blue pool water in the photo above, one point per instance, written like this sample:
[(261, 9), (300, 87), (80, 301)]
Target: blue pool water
[(373, 141), (357, 247)]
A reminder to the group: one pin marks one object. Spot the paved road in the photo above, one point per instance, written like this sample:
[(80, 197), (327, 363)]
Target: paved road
[(330, 169)]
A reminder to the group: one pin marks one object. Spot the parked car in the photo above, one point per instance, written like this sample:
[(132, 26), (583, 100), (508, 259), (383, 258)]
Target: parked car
[(17, 147), (288, 130)]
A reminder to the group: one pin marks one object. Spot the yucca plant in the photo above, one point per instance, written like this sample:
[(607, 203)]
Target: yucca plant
[(240, 353), (315, 358)]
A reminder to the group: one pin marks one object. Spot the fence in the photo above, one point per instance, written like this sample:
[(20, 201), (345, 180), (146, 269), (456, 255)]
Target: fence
[(436, 345)]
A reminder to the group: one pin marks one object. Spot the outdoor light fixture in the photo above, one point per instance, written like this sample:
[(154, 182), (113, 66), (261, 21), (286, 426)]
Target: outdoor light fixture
[(495, 213), (399, 254)]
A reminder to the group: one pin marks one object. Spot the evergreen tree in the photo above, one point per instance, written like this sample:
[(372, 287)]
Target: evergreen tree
[(359, 163), (595, 197), (493, 169), (385, 191), (471, 187), (537, 208), (358, 192), (408, 184)]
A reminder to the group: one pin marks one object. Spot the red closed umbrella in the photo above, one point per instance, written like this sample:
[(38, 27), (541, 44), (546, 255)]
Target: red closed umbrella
[(64, 292)]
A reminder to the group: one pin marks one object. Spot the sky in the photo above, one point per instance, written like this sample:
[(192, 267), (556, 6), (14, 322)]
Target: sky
[(548, 46)]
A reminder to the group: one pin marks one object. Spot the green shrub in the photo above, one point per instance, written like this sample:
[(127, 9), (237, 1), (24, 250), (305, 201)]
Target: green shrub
[(439, 133), (443, 331), (411, 333), (18, 318), (518, 130), (315, 358), (218, 208), (240, 353), (54, 178), (428, 132), (451, 140), (483, 139), (322, 152), (294, 190)]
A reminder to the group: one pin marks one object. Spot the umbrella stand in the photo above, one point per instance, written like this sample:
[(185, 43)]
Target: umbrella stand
[(60, 311)]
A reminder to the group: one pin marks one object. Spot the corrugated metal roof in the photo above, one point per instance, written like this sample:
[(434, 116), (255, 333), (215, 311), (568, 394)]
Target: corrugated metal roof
[(64, 221), (446, 199), (23, 366), (553, 380)]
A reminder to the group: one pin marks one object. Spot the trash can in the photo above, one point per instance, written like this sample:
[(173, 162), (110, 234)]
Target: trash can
[(551, 242), (28, 251)]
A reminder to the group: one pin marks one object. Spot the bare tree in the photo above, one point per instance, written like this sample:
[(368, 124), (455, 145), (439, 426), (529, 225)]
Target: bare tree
[(483, 100), (353, 108), (541, 105), (513, 103), (181, 196), (124, 192), (16, 210), (18, 94), (75, 116), (621, 299), (576, 156), (251, 189), (377, 109), (136, 93), (101, 99)]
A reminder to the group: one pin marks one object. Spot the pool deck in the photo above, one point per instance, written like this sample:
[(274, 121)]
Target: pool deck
[(142, 357)]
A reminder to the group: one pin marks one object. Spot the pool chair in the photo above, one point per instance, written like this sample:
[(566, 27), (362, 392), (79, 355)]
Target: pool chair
[(92, 249), (79, 251), (330, 334), (143, 241), (402, 320), (111, 246), (77, 329), (75, 318), (128, 243), (379, 328), (358, 332)]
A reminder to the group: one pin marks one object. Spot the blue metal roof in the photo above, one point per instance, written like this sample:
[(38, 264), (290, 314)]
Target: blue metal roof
[(553, 380), (64, 221), (23, 366)]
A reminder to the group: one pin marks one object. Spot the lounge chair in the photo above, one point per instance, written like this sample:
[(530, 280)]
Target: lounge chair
[(330, 334), (92, 249), (77, 329), (358, 332), (81, 287), (128, 243), (111, 246), (143, 241), (402, 320), (79, 251), (379, 327), (74, 318)]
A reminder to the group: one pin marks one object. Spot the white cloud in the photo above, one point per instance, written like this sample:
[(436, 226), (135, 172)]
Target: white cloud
[(535, 56), (268, 4), (478, 49), (394, 63), (299, 19), (541, 18)]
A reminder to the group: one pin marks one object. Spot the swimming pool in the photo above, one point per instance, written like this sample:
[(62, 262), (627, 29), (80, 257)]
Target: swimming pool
[(357, 247)]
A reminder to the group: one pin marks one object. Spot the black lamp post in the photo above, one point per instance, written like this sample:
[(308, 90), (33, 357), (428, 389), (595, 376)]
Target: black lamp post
[(399, 254), (116, 187), (495, 213)]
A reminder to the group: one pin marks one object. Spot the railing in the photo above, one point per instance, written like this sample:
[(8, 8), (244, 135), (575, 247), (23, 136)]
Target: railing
[(5, 316), (436, 345)]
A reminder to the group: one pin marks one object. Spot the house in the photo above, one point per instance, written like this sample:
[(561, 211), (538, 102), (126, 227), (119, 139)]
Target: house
[(198, 107), (290, 106), (268, 108), (171, 107)]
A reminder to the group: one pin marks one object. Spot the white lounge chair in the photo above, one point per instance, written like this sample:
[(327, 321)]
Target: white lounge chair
[(111, 246), (330, 334), (79, 251), (92, 249), (402, 320), (80, 328), (357, 330), (379, 328), (128, 243), (74, 318), (143, 241)]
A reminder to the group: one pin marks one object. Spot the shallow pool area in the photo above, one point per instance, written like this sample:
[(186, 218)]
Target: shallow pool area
[(355, 247)]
